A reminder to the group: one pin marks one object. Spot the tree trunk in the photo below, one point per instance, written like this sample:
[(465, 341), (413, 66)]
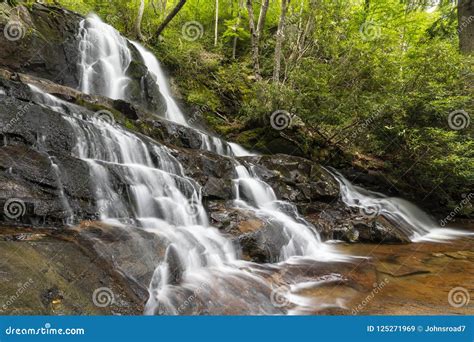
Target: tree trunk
[(138, 22), (279, 40), (466, 26), (217, 23), (261, 18), (254, 41), (256, 33), (169, 17)]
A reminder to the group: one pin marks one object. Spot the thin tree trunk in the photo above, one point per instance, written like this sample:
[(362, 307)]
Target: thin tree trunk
[(254, 41), (152, 3), (279, 40), (256, 33), (138, 22), (217, 23), (169, 17), (261, 18), (466, 26)]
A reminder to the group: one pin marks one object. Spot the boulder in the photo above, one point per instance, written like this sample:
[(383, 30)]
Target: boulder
[(259, 239)]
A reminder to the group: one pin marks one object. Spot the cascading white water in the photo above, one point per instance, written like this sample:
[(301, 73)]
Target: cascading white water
[(140, 185), (104, 59), (410, 219), (173, 112), (67, 208), (216, 145), (239, 151), (302, 238)]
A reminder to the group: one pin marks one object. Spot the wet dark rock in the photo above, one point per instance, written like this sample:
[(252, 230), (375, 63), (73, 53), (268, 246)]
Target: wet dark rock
[(217, 188), (380, 230), (295, 179), (123, 249), (259, 239), (143, 89), (337, 221), (48, 48), (174, 264), (28, 176)]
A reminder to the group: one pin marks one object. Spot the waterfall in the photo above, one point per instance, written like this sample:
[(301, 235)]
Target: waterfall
[(410, 219), (216, 145), (301, 237), (140, 185), (173, 112), (104, 59), (239, 151)]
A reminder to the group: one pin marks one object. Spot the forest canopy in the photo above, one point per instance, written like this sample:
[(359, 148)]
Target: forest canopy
[(382, 85)]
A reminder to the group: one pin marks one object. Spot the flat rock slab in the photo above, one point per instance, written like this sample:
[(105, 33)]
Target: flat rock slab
[(422, 278), (44, 275)]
